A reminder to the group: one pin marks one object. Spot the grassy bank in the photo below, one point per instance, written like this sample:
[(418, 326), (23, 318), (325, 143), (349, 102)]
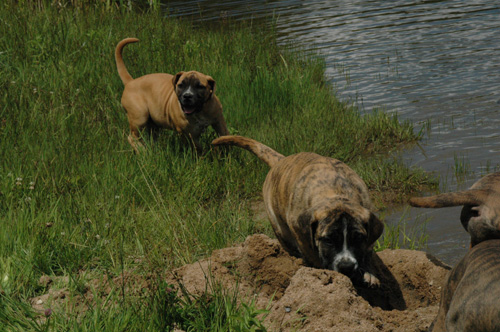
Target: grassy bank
[(73, 196)]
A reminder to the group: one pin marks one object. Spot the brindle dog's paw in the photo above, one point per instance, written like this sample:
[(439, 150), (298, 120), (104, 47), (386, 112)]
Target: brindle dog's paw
[(370, 280)]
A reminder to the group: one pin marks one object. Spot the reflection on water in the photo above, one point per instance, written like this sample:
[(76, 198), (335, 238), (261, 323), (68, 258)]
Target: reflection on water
[(436, 61)]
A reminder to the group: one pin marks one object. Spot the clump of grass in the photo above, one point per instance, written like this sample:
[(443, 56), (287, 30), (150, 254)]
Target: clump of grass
[(16, 315), (164, 308), (390, 181), (214, 310)]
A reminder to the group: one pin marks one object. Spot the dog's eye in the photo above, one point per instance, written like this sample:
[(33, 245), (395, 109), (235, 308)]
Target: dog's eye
[(180, 85), (358, 237), (328, 241), (200, 86)]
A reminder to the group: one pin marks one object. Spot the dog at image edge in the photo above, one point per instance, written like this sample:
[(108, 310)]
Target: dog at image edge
[(185, 102), (470, 297), (319, 209), (480, 214)]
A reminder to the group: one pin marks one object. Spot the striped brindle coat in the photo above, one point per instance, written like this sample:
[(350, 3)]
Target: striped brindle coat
[(319, 209), (470, 297)]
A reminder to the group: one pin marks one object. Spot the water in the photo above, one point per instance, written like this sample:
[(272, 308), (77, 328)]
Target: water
[(436, 63)]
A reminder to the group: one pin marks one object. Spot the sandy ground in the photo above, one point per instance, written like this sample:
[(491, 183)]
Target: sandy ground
[(302, 298)]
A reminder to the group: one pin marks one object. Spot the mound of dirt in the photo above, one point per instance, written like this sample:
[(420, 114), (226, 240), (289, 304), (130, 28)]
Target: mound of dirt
[(299, 297), (309, 299), (259, 267)]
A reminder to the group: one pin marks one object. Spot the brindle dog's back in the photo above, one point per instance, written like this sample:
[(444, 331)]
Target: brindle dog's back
[(469, 301), (292, 180)]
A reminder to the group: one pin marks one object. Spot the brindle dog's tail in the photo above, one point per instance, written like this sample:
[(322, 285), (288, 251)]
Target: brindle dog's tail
[(466, 197), (265, 153), (120, 65)]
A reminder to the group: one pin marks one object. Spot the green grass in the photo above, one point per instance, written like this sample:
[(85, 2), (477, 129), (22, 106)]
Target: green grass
[(73, 196), (162, 309)]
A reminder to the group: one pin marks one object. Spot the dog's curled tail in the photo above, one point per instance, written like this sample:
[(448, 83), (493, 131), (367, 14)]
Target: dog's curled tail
[(120, 65), (265, 153), (466, 197)]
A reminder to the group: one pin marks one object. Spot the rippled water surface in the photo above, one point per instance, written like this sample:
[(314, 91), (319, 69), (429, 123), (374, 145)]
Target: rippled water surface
[(436, 63)]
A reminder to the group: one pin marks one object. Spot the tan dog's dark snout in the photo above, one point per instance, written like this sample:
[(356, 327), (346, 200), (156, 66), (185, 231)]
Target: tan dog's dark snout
[(185, 102), (319, 208), (193, 92)]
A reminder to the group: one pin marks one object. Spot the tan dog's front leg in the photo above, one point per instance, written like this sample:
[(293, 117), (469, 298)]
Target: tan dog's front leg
[(190, 139), (135, 140), (221, 130), (220, 127), (197, 145)]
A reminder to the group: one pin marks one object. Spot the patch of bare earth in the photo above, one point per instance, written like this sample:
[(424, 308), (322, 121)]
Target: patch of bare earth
[(306, 299)]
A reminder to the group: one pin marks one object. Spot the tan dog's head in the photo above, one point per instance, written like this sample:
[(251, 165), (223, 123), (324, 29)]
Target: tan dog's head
[(342, 235), (193, 89)]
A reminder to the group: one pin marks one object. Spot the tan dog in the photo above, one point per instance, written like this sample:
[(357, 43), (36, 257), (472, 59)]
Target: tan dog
[(469, 300), (185, 102), (481, 212), (319, 209)]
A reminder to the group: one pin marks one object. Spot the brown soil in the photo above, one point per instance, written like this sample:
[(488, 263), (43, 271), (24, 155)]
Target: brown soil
[(306, 299)]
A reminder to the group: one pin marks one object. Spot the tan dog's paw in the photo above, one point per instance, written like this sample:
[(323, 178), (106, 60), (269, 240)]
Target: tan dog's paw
[(136, 144), (370, 280)]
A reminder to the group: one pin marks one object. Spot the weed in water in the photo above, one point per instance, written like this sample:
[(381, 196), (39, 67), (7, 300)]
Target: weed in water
[(397, 236)]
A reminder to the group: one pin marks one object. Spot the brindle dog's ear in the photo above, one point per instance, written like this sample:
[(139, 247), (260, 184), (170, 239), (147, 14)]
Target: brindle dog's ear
[(306, 233), (176, 78), (375, 227), (305, 222)]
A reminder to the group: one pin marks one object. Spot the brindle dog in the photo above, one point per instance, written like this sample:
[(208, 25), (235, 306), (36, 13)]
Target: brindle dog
[(469, 300), (185, 102), (319, 209)]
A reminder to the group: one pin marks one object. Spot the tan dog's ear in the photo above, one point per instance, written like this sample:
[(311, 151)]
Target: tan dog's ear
[(374, 228), (176, 78), (211, 84)]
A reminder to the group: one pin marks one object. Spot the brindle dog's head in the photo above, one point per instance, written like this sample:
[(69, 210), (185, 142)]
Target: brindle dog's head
[(193, 89), (343, 236)]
